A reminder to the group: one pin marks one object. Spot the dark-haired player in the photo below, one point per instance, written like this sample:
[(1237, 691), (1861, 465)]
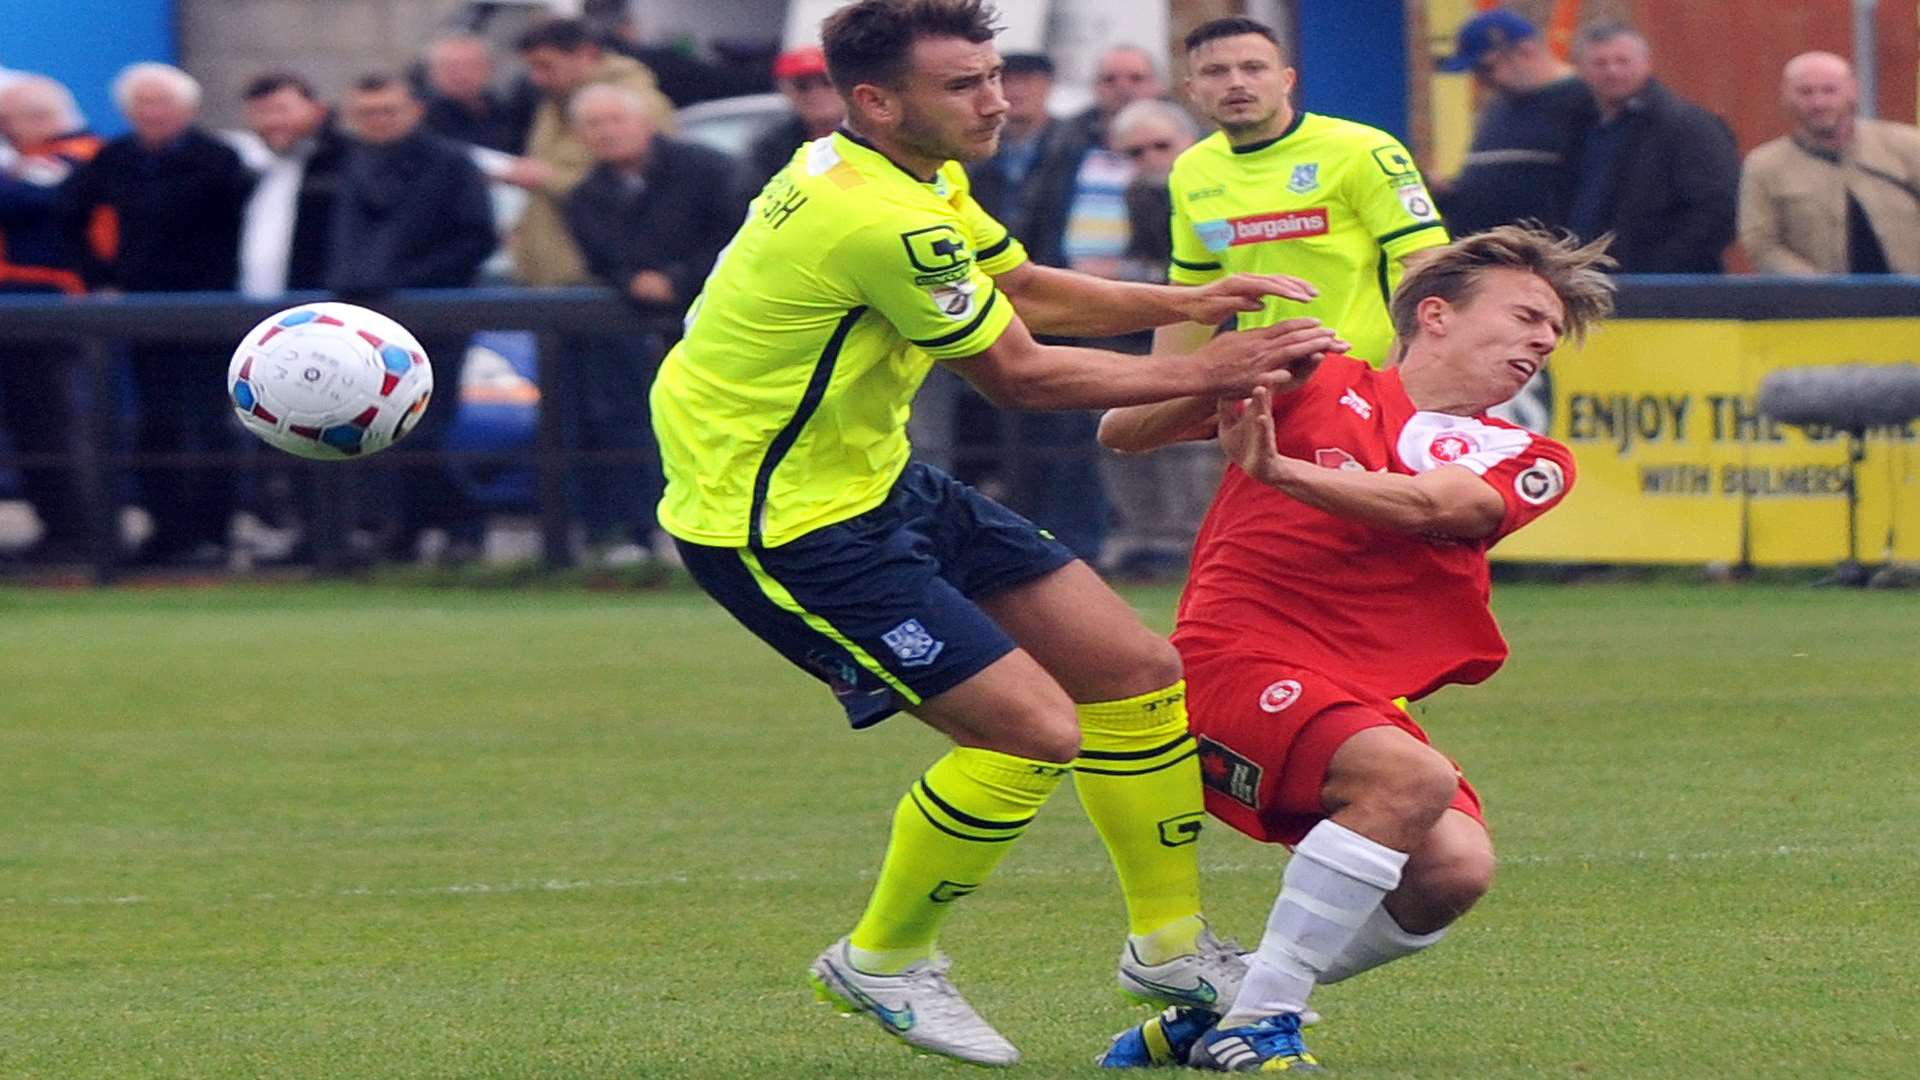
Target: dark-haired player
[(782, 426)]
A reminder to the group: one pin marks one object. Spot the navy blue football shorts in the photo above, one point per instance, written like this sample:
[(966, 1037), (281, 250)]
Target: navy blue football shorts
[(880, 606)]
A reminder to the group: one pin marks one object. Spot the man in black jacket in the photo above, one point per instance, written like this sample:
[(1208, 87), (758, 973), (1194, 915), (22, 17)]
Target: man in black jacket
[(413, 214), (177, 193), (650, 218), (462, 103), (1659, 172)]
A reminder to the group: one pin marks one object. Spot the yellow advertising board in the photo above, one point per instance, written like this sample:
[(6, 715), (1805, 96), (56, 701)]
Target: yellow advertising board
[(1677, 465)]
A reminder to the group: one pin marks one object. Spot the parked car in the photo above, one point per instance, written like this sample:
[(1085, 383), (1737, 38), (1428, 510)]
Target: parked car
[(730, 125)]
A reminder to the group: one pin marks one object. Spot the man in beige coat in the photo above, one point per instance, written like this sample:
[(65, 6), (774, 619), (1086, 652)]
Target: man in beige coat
[(562, 57), (1838, 194)]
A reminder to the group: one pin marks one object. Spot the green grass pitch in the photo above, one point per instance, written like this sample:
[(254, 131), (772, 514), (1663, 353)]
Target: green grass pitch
[(387, 832)]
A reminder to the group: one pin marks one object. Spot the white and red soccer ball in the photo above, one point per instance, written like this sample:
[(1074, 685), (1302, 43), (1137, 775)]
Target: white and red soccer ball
[(329, 381)]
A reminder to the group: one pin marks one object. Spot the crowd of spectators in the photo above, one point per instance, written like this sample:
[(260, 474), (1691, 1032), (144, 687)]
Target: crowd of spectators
[(571, 173)]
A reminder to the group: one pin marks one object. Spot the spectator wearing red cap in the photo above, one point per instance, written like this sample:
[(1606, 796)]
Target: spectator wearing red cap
[(801, 74)]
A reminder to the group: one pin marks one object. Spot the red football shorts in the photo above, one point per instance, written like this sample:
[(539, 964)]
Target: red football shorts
[(1267, 731)]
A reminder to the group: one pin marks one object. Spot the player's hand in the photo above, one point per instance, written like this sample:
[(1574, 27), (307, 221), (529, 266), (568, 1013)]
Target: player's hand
[(1211, 304), (1275, 357), (1247, 435)]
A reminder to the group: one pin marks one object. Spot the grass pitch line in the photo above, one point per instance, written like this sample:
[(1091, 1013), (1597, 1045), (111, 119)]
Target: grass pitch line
[(656, 881)]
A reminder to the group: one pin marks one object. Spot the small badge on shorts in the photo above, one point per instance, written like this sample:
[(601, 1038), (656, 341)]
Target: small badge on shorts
[(1280, 696), (912, 644), (1230, 774)]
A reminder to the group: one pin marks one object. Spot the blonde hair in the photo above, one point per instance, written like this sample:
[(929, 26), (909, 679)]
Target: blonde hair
[(1577, 274)]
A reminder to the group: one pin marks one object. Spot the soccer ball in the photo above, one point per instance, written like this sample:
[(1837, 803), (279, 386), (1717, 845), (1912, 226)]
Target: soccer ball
[(329, 381)]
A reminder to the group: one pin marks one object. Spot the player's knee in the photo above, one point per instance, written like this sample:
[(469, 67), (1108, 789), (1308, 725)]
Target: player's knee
[(1396, 777), (1051, 735), (1055, 742), (1160, 663)]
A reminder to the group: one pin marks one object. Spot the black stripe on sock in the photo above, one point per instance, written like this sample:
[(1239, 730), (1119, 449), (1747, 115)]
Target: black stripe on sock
[(1138, 772), (914, 794), (1135, 755), (968, 819)]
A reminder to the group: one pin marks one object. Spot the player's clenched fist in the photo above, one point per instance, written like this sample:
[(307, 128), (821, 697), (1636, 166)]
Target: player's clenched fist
[(1271, 356)]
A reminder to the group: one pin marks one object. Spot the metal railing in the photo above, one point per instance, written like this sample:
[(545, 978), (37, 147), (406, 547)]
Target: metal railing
[(88, 328)]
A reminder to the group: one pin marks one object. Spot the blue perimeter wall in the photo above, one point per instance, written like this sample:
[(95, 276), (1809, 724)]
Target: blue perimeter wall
[(85, 43), (1353, 60)]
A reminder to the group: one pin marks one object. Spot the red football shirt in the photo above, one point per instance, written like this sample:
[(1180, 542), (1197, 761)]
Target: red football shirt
[(1387, 613)]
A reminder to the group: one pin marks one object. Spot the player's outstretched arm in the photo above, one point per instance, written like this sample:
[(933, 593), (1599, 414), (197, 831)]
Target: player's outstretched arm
[(1070, 304), (1020, 373), (1136, 429), (1448, 501)]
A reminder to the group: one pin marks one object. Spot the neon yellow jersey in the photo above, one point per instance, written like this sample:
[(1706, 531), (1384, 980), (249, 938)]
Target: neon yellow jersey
[(1338, 203), (784, 408)]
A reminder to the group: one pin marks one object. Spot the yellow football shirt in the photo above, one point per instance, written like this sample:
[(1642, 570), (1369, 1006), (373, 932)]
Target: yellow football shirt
[(784, 408), (1337, 203)]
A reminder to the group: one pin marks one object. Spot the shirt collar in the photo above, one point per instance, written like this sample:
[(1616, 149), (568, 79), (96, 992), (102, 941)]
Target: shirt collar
[(1299, 117), (936, 180)]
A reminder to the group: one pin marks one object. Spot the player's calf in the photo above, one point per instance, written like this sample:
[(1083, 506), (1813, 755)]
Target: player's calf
[(1445, 877)]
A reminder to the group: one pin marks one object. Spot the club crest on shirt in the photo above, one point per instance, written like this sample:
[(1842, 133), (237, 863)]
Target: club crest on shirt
[(1452, 446), (1305, 178), (1280, 696)]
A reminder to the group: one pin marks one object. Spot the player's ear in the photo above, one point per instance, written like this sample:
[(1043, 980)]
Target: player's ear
[(876, 102), (1434, 315)]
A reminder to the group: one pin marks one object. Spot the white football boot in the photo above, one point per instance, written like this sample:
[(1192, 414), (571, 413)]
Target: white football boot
[(919, 1006)]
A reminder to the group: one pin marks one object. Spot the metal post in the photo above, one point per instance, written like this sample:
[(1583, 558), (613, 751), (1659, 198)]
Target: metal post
[(97, 481), (554, 422), (1866, 55)]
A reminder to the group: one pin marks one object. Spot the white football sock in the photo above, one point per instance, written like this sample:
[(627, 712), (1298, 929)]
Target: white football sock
[(1335, 879), (1379, 941)]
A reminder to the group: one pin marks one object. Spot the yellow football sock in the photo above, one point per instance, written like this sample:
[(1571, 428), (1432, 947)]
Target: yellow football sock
[(1140, 783), (949, 832)]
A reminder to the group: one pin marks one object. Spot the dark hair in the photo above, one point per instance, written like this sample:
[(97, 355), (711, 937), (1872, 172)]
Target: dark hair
[(1028, 63), (567, 35), (1577, 274), (871, 41), (1231, 26), (375, 81), (275, 81)]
